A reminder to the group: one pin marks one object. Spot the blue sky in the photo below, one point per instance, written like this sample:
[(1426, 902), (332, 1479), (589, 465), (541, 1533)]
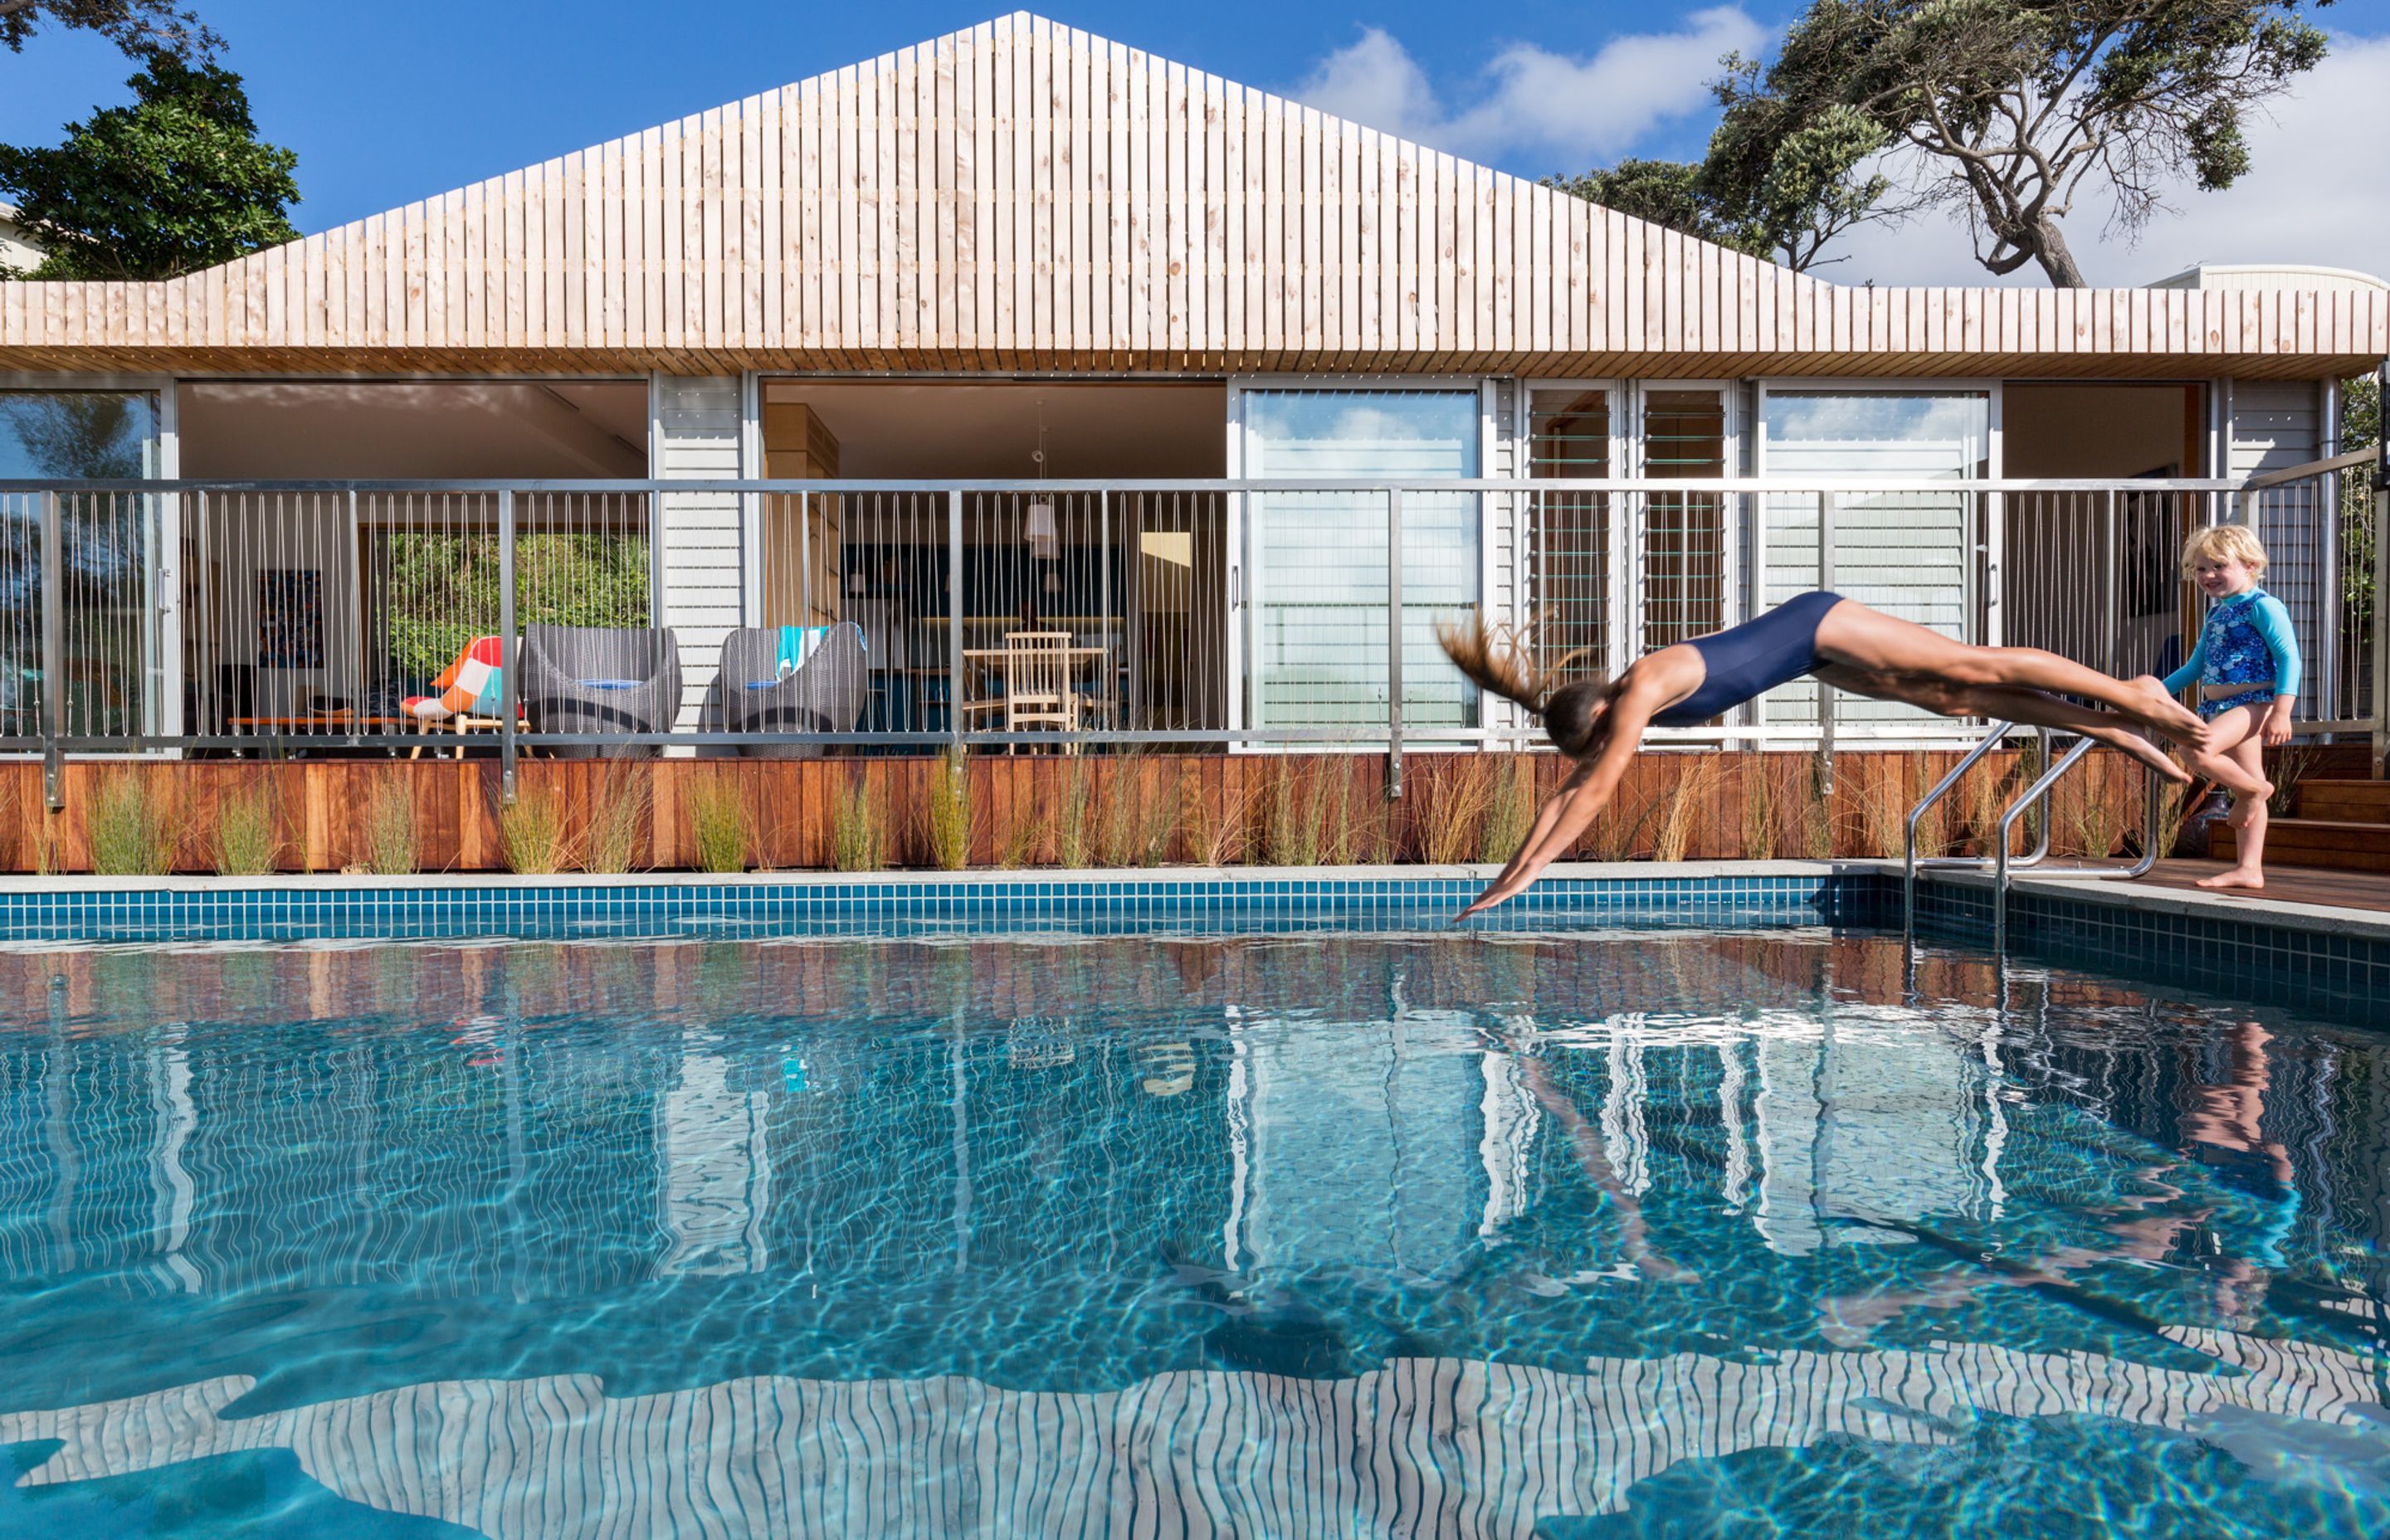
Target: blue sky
[(386, 103)]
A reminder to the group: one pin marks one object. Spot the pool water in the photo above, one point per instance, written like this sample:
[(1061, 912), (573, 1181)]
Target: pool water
[(1668, 1233)]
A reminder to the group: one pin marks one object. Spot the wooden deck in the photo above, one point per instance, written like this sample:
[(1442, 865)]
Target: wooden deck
[(2345, 889)]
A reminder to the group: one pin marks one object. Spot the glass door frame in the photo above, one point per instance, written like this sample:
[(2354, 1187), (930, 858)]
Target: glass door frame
[(163, 681), (1240, 588)]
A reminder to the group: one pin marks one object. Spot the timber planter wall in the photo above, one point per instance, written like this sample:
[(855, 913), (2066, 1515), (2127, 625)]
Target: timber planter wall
[(1136, 810)]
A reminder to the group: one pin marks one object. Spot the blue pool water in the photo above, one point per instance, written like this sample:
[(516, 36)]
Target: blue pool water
[(1620, 1233)]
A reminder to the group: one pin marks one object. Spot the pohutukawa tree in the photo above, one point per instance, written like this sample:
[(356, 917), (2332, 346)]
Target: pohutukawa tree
[(139, 27), (177, 181), (2015, 108)]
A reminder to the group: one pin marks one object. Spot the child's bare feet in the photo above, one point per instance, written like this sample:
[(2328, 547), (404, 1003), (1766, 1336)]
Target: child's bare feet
[(2239, 876)]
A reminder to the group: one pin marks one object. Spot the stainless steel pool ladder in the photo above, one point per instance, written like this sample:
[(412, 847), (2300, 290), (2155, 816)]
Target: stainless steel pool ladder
[(2001, 863)]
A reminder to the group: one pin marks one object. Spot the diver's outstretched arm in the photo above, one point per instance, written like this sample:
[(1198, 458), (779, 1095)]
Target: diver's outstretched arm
[(1570, 811)]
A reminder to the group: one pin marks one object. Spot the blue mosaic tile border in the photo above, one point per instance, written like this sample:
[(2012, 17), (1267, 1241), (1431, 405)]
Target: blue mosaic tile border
[(2246, 955), (963, 904)]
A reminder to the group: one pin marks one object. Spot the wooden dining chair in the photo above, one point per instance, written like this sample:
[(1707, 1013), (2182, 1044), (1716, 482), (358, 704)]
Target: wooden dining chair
[(1038, 691)]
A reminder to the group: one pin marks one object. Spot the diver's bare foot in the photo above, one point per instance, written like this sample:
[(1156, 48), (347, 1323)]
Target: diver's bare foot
[(2239, 876), (2143, 750), (2170, 717)]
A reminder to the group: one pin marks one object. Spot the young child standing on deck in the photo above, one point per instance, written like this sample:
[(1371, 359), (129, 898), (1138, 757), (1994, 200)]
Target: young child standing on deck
[(2247, 669)]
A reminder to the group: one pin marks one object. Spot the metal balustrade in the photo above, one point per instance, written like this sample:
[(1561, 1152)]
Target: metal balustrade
[(212, 618)]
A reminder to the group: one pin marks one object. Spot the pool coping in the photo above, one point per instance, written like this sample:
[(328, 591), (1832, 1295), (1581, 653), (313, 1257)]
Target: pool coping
[(18, 886), (2112, 892)]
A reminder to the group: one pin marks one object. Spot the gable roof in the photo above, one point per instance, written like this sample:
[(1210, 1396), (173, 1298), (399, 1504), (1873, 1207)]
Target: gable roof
[(1024, 196)]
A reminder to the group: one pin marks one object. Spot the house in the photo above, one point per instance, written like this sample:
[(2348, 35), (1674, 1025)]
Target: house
[(17, 250), (1021, 254)]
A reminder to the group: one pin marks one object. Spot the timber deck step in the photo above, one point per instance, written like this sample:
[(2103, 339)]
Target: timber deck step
[(2336, 844), (2349, 802)]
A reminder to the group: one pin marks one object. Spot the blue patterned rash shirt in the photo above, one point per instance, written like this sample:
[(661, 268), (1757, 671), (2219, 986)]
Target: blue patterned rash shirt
[(2247, 641)]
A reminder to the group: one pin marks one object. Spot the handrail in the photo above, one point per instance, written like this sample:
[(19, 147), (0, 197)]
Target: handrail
[(1908, 861), (2035, 792), (1911, 862)]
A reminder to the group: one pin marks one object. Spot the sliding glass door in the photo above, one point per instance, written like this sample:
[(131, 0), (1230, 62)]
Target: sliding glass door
[(1322, 628)]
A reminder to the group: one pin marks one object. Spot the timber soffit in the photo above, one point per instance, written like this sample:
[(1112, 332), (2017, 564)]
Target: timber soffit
[(1023, 196)]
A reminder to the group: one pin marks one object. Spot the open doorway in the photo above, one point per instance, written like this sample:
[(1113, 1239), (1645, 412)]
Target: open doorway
[(1132, 586), (2092, 575), (325, 611)]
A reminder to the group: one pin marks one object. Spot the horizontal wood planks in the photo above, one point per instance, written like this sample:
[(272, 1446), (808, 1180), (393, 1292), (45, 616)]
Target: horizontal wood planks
[(1044, 810), (1021, 195)]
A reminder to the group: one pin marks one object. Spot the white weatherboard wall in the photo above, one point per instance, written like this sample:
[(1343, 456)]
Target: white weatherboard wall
[(696, 423), (2274, 425)]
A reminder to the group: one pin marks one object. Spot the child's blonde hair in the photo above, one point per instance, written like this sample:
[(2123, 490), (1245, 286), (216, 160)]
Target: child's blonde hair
[(2233, 542)]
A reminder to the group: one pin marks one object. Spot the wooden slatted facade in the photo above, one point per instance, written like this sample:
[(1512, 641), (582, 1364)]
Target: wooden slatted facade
[(1022, 196)]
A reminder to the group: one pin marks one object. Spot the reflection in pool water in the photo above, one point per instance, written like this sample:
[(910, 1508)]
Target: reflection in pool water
[(1400, 1236)]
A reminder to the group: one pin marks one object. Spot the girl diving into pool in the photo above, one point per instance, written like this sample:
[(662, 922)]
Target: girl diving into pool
[(1599, 723)]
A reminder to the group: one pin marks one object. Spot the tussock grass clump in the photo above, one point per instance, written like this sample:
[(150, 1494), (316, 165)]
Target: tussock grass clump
[(858, 840), (1454, 799), (1510, 812), (622, 797), (1216, 836), (531, 834), (1290, 827), (1073, 828), (2095, 821), (1682, 812), (1761, 821), (1814, 816), (948, 816), (131, 827), (244, 842), (2292, 763), (392, 848), (717, 815)]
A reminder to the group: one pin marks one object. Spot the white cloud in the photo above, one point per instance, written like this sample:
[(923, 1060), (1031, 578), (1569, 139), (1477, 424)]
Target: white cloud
[(2309, 197), (1535, 107)]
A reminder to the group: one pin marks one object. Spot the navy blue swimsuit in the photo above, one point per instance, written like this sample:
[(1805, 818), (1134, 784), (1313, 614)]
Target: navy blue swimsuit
[(1758, 655)]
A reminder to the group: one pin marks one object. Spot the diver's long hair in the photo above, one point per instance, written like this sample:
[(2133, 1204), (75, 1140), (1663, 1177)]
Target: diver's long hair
[(1500, 658)]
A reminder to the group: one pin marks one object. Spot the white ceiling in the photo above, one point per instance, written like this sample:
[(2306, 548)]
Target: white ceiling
[(433, 429), (937, 432)]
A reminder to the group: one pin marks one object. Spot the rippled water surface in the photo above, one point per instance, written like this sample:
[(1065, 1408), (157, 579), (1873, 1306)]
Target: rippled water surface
[(1601, 1235)]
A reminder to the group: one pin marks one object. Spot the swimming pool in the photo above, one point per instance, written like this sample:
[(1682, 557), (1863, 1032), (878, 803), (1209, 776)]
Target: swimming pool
[(1622, 1232)]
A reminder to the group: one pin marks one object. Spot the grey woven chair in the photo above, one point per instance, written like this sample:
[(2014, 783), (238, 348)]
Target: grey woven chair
[(591, 679), (827, 695)]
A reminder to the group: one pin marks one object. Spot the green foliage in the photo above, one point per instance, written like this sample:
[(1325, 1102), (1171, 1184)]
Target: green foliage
[(1073, 829), (620, 803), (2360, 427), (391, 847), (1511, 814), (2014, 105), (858, 842), (244, 843), (949, 815), (131, 829), (172, 183), (1671, 193), (442, 589), (531, 831), (717, 813), (139, 27)]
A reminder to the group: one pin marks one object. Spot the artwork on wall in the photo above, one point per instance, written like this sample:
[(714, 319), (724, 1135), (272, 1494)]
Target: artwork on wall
[(289, 619)]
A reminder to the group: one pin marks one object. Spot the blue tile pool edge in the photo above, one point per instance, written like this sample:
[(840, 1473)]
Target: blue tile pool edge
[(167, 909), (2301, 957)]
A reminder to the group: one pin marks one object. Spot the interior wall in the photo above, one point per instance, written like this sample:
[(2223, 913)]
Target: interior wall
[(2060, 429)]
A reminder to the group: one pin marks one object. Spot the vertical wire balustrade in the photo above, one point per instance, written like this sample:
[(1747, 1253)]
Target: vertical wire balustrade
[(268, 619)]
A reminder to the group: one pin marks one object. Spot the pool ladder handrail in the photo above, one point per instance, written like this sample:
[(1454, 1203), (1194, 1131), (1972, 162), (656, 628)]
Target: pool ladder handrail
[(2002, 864), (1909, 860), (2041, 788)]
